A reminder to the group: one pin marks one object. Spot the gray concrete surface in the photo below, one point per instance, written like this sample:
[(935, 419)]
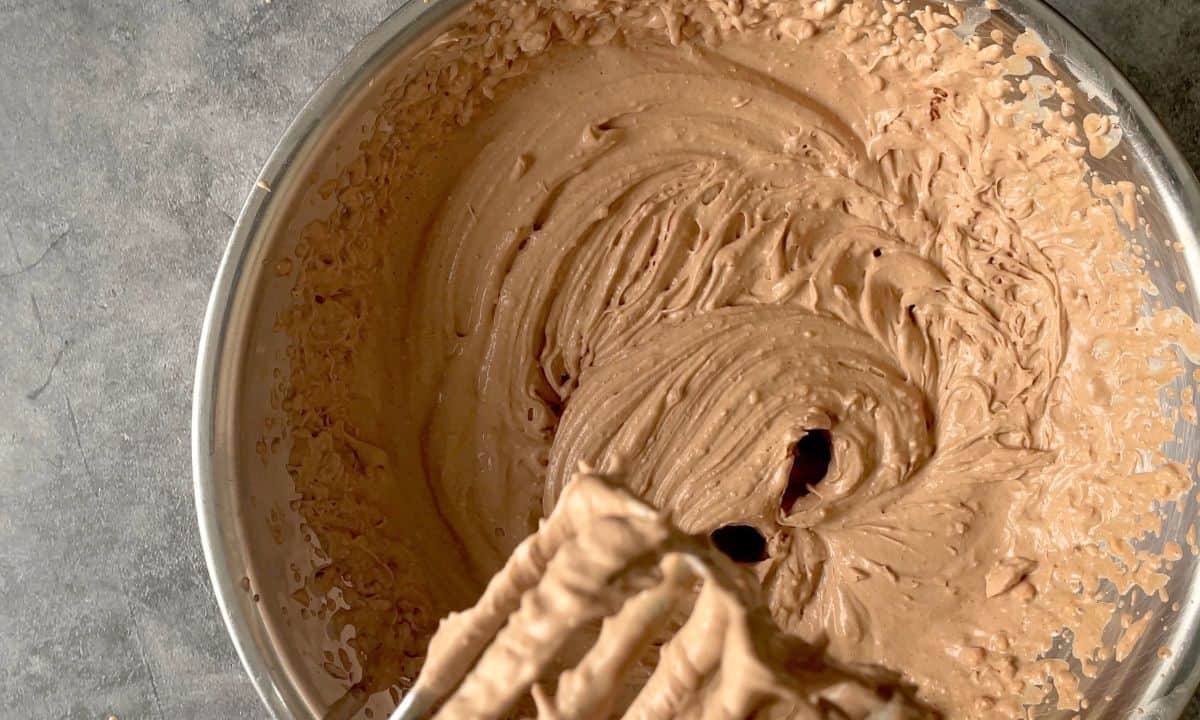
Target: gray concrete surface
[(129, 134)]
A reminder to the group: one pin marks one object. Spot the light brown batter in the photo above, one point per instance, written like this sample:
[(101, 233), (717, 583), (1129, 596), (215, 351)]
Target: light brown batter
[(603, 555), (693, 243)]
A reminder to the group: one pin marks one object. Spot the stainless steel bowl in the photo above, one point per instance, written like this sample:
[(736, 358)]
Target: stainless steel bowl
[(240, 496)]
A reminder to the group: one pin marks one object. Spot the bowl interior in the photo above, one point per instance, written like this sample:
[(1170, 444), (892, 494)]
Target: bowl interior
[(254, 540)]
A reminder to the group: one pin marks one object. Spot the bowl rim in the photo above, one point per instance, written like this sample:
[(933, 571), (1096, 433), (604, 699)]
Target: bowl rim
[(1169, 693), (227, 561)]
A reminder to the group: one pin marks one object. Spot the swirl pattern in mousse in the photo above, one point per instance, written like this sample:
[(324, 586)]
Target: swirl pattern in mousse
[(800, 266)]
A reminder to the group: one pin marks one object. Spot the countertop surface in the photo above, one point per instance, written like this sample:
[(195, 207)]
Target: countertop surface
[(130, 132)]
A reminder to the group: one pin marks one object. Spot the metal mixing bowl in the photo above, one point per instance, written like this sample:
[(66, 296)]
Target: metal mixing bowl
[(241, 498)]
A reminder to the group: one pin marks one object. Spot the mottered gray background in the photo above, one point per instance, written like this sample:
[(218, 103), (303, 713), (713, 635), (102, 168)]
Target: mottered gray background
[(129, 134)]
